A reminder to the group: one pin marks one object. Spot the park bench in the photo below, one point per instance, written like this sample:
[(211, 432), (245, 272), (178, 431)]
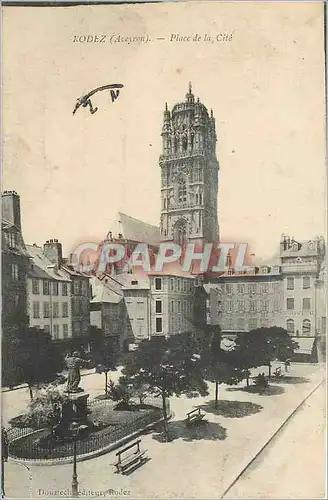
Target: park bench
[(277, 373), (194, 417), (129, 456)]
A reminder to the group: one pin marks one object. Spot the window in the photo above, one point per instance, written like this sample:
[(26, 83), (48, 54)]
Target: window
[(266, 306), (55, 288), (200, 198), (35, 287), (134, 282), (290, 326), (172, 306), (11, 239), (265, 288), (179, 306), (64, 310), (178, 285), (158, 283), (159, 325), (184, 285), (36, 309), (306, 326), (171, 284), (182, 191), (306, 282), (46, 287), (290, 303), (276, 305), (77, 287), (228, 288), (158, 307), (65, 331), (306, 304), (46, 310), (55, 310), (290, 283), (252, 306), (46, 328), (240, 288), (64, 289), (251, 288), (14, 272), (241, 305), (229, 306), (56, 332)]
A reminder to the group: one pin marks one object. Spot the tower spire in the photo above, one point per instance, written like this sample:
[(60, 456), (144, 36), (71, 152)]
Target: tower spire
[(190, 88)]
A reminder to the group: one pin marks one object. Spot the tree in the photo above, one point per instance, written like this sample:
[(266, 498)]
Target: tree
[(39, 360), (168, 367), (106, 355), (45, 410), (220, 366), (261, 346)]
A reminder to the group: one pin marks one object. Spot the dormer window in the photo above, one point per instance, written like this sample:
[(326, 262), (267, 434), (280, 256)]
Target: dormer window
[(134, 282)]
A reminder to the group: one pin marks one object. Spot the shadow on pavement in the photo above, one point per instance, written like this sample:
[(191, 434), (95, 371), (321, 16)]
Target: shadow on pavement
[(291, 380), (205, 430), (271, 390), (232, 409)]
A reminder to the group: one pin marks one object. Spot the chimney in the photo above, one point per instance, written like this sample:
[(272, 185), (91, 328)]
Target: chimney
[(11, 208), (52, 249)]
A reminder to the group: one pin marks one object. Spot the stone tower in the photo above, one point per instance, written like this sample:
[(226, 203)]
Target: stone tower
[(189, 174)]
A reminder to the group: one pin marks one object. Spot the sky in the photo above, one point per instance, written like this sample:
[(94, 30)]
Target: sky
[(265, 86)]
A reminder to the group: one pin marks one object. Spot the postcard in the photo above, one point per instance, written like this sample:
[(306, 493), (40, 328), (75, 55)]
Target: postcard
[(164, 272)]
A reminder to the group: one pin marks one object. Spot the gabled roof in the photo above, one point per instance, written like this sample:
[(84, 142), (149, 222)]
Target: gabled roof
[(42, 267), (137, 230)]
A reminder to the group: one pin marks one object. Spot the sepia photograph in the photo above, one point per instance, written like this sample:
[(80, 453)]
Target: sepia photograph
[(164, 267)]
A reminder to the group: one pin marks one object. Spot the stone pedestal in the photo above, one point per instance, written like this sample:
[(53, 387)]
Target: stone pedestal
[(75, 410)]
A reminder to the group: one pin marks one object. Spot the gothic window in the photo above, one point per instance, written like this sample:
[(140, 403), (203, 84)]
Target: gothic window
[(192, 141), (184, 143), (196, 198), (175, 144), (182, 191), (200, 199)]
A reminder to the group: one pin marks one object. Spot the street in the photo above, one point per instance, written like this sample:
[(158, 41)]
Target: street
[(198, 463), (293, 464)]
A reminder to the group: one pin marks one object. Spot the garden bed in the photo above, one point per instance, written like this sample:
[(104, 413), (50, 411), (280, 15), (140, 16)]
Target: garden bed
[(115, 425)]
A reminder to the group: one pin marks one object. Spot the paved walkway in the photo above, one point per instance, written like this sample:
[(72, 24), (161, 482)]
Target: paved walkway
[(196, 464), (293, 465)]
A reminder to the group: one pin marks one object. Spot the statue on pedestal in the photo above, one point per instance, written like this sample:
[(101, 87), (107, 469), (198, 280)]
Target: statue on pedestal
[(74, 376)]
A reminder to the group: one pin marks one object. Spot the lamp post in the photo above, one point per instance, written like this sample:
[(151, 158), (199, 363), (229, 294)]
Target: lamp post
[(74, 428)]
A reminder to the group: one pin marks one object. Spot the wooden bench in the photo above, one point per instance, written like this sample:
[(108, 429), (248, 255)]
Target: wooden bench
[(129, 460), (194, 417)]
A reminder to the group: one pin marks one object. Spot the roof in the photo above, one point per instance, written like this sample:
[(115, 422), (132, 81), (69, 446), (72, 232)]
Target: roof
[(103, 290), (42, 267), (137, 230)]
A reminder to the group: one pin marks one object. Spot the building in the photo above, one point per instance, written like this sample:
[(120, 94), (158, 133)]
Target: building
[(107, 308), (49, 296), (189, 173), (58, 296), (14, 269), (289, 293), (15, 263)]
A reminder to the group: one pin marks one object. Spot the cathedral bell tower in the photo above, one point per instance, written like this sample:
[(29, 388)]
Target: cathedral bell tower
[(189, 174)]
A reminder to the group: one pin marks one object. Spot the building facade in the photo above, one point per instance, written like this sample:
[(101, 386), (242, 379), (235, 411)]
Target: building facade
[(189, 173), (15, 263), (58, 296), (284, 294)]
